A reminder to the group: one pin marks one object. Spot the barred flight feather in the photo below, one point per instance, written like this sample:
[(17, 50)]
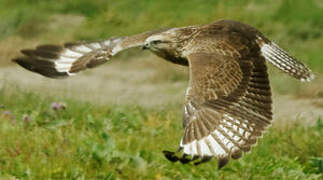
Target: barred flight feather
[(62, 61), (279, 58)]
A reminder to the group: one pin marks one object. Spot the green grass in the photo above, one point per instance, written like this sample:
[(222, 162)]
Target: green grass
[(89, 141)]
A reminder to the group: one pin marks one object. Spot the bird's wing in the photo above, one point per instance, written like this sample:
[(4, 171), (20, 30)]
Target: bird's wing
[(228, 102), (56, 61), (228, 105), (283, 61)]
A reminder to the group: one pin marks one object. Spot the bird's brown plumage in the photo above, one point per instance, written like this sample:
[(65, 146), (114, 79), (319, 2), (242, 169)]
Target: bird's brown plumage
[(228, 101)]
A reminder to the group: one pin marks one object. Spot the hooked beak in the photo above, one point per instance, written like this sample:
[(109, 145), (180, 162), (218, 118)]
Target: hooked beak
[(145, 46)]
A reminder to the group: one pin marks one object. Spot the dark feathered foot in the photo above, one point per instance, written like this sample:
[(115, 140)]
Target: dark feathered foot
[(184, 158), (171, 156), (196, 160)]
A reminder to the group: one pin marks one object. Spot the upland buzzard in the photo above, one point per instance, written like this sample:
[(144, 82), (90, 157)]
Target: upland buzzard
[(228, 101)]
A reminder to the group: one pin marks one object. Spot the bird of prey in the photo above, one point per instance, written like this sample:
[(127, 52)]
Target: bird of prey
[(228, 102)]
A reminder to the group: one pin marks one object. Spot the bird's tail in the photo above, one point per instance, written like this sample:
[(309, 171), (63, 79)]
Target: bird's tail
[(279, 58), (62, 61)]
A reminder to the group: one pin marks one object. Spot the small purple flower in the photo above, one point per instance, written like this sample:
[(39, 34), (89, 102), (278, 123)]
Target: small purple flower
[(9, 115), (6, 113), (58, 106), (55, 106), (26, 118)]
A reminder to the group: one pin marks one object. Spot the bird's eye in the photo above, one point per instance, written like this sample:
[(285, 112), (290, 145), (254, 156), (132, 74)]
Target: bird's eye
[(156, 42)]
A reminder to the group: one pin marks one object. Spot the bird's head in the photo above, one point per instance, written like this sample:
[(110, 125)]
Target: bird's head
[(160, 41), (164, 44)]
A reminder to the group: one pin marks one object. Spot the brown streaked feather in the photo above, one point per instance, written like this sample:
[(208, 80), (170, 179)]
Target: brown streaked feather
[(139, 39), (90, 60), (221, 143), (211, 76), (236, 86)]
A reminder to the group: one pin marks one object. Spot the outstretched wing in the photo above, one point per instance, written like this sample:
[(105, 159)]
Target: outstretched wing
[(56, 61), (228, 103), (283, 61), (228, 106)]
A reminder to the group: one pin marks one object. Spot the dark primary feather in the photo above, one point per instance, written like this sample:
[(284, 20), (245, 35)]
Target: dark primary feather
[(45, 68)]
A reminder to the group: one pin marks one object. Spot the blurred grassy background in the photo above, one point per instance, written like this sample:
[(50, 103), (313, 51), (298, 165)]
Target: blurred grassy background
[(103, 137), (295, 24)]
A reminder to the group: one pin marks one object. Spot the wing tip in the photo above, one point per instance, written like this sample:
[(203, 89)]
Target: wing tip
[(222, 162), (45, 68), (47, 60), (236, 154), (283, 61), (308, 78)]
